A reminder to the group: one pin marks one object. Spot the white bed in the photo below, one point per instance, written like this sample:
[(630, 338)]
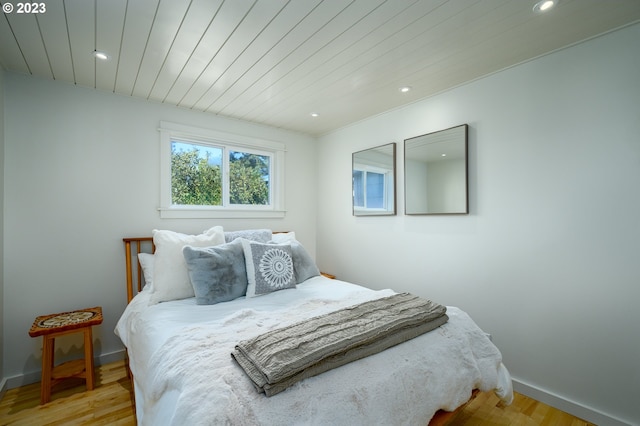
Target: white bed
[(179, 356)]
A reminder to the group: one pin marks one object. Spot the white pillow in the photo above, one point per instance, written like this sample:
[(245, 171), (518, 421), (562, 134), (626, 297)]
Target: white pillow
[(170, 275), (283, 237), (146, 262)]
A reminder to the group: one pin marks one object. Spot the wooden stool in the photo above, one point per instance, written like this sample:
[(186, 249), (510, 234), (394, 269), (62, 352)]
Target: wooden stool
[(56, 325)]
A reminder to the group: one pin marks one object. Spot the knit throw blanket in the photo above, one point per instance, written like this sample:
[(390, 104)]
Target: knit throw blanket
[(281, 357)]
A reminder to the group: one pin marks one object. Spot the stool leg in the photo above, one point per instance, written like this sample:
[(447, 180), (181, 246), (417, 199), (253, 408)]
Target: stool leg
[(88, 357), (48, 345)]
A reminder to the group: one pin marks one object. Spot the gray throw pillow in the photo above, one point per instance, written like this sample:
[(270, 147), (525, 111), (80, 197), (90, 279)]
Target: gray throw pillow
[(260, 235), (217, 273), (303, 265)]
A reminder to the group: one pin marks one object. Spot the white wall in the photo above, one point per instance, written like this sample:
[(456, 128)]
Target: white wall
[(548, 260), (2, 318), (82, 170)]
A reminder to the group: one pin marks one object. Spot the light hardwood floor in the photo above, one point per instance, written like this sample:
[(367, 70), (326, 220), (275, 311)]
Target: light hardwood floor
[(110, 403)]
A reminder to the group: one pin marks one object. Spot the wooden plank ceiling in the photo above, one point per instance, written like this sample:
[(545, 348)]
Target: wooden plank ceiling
[(277, 61)]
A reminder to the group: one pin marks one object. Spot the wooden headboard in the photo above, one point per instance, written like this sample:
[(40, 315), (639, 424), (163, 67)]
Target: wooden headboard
[(134, 246)]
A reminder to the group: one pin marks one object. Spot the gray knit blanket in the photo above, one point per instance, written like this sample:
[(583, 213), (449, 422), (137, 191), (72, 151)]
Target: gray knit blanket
[(279, 358)]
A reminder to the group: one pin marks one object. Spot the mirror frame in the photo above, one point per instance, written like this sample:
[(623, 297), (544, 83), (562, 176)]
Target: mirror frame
[(392, 205), (425, 139)]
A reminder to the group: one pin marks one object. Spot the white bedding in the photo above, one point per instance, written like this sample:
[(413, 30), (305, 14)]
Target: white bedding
[(179, 355)]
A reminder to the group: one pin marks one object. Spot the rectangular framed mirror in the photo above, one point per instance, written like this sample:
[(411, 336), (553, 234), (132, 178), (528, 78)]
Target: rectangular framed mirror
[(436, 173), (374, 181)]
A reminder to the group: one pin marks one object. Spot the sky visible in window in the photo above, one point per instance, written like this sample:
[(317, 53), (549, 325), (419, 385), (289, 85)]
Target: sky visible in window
[(215, 154)]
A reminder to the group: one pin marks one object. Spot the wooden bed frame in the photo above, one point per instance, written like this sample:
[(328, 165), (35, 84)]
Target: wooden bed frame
[(137, 245)]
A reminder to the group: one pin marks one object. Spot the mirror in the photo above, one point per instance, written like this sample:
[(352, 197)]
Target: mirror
[(435, 172), (374, 181)]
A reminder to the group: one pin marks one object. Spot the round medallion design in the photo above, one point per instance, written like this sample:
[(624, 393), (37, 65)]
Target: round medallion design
[(276, 268), (66, 319)]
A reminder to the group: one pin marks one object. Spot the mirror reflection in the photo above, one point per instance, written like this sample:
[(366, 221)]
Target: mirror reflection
[(373, 180), (435, 174)]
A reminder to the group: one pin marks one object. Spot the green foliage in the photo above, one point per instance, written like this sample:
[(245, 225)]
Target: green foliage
[(247, 173), (195, 181)]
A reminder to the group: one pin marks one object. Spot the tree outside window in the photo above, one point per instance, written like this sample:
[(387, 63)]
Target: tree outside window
[(197, 176)]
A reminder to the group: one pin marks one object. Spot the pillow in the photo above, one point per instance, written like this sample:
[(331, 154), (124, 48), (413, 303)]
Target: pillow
[(218, 274), (303, 265), (260, 235), (146, 263), (171, 276), (283, 237), (269, 267)]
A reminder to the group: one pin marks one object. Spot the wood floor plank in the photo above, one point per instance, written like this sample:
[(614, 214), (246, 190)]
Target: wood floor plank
[(110, 403)]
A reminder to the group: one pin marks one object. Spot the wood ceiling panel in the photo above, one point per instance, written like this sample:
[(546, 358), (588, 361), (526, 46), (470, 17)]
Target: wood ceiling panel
[(312, 48), (82, 36), (306, 73), (447, 69), (10, 55), (346, 67), (275, 30), (109, 27), (53, 26), (599, 17), (27, 33), (440, 46), (541, 33), (248, 27), (166, 24), (252, 62), (139, 18), (389, 57), (196, 21), (200, 58), (252, 26), (275, 61), (227, 19), (283, 56)]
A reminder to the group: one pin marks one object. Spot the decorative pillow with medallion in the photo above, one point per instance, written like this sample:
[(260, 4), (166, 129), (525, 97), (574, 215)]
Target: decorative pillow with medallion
[(269, 267)]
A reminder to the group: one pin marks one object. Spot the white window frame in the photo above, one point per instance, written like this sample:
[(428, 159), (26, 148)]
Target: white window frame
[(388, 183), (230, 142)]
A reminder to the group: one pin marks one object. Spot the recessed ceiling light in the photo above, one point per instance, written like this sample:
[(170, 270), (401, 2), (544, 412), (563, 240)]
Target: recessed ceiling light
[(100, 55), (405, 89), (314, 114), (544, 5)]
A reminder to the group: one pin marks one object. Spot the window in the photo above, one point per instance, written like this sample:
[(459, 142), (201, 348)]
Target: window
[(208, 174), (370, 188)]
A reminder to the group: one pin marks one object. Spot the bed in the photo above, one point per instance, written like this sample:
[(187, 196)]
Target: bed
[(179, 348)]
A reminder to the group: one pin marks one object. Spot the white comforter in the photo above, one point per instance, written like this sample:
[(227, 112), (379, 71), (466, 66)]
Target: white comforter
[(180, 358)]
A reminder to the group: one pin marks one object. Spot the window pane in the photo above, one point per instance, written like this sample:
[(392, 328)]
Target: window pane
[(249, 178), (196, 175), (358, 188), (375, 190)]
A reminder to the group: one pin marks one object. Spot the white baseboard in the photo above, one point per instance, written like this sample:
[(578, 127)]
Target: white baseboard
[(573, 408), (35, 376)]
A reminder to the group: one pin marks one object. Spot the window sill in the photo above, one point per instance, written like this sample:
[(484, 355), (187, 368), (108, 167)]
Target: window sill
[(191, 213)]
